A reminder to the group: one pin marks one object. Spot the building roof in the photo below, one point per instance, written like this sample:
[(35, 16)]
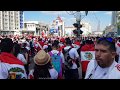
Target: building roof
[(36, 22)]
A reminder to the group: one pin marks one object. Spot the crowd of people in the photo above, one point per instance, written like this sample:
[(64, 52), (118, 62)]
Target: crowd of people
[(35, 57)]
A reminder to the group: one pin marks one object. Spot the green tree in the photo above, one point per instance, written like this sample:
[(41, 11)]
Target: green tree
[(118, 25)]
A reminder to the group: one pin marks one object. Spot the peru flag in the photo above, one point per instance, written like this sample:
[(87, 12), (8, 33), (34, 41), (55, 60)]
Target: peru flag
[(87, 54)]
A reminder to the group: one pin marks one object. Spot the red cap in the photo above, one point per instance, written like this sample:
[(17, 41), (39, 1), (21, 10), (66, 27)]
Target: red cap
[(77, 43)]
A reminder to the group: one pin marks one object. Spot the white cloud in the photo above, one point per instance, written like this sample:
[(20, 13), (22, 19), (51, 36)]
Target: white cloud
[(61, 12), (70, 20), (108, 13), (93, 11), (54, 12), (73, 19)]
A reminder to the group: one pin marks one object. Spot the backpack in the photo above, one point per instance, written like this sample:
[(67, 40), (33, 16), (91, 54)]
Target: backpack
[(68, 59), (57, 63), (31, 44)]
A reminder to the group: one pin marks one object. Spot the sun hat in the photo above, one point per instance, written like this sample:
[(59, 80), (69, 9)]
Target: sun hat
[(41, 58)]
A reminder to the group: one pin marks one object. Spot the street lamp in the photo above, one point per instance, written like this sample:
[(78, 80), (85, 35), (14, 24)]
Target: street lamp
[(79, 16)]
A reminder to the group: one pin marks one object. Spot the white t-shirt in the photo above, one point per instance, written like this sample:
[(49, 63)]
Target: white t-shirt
[(16, 71), (28, 45), (53, 73), (22, 58), (94, 71), (73, 54), (100, 72)]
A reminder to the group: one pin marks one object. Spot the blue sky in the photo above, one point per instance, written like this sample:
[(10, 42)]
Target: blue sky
[(93, 17)]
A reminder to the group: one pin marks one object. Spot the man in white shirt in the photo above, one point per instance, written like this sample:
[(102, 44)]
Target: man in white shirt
[(72, 72), (105, 66)]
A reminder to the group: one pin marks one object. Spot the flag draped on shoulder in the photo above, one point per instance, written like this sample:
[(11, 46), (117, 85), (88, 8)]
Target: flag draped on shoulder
[(10, 59)]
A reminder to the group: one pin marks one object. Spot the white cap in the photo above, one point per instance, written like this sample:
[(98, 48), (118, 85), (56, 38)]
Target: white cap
[(45, 46)]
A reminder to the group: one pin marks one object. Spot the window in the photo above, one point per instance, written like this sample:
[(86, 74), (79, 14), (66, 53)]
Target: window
[(5, 15), (6, 28), (5, 11), (11, 12), (5, 19)]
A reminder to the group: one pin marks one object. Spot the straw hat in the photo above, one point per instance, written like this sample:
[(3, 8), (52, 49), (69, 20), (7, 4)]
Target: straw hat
[(41, 58)]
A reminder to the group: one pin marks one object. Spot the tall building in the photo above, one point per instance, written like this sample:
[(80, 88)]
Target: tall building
[(11, 21), (114, 17), (114, 20)]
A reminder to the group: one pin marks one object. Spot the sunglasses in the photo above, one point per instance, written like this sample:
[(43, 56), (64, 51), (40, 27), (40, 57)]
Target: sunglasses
[(104, 38)]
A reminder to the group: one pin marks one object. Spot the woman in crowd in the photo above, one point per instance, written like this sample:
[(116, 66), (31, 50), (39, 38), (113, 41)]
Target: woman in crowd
[(43, 68)]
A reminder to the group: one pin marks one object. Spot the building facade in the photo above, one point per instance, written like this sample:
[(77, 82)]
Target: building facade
[(36, 28), (86, 28), (57, 27), (107, 30), (11, 22)]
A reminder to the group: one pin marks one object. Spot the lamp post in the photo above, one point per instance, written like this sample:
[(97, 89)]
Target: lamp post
[(78, 20), (79, 16)]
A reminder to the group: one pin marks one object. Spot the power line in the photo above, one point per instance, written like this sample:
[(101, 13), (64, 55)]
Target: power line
[(95, 16)]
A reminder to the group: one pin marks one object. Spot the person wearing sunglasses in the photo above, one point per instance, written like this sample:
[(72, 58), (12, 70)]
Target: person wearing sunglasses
[(104, 66)]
